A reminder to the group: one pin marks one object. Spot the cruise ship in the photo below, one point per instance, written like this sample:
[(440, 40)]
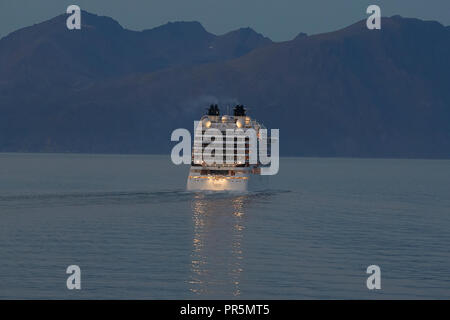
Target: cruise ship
[(229, 168)]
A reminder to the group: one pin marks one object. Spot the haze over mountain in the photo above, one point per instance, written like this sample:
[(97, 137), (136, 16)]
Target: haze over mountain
[(352, 92)]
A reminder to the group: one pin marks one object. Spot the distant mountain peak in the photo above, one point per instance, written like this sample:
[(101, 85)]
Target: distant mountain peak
[(395, 22), (246, 33), (57, 25), (180, 28), (301, 35), (103, 22), (397, 16), (103, 48), (184, 24), (245, 30)]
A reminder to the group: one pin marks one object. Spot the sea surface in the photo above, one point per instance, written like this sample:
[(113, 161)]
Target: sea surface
[(129, 224)]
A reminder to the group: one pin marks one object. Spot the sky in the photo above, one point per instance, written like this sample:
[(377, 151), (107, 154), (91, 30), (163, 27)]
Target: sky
[(279, 20)]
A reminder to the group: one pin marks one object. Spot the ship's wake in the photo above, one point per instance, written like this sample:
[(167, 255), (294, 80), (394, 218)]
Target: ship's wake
[(121, 197)]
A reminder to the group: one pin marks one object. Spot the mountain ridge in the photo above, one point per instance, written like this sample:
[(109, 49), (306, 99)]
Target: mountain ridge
[(352, 92)]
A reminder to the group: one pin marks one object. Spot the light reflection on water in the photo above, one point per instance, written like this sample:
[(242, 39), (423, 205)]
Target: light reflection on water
[(137, 234), (218, 253)]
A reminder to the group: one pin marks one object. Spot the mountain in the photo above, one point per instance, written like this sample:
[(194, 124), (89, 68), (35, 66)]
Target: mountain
[(353, 92), (102, 48)]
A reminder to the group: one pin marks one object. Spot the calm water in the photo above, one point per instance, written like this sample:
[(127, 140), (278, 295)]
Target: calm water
[(136, 233)]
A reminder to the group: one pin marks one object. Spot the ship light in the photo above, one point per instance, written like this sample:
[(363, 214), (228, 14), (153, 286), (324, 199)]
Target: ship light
[(208, 124), (224, 119), (239, 124), (247, 120)]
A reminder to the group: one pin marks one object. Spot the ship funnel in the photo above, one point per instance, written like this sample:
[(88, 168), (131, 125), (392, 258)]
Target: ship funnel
[(213, 110), (239, 111)]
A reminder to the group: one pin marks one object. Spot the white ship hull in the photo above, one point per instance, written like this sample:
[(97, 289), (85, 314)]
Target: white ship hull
[(244, 182), (208, 183)]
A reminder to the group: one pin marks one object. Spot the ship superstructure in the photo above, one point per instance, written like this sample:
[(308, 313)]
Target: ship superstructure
[(229, 166)]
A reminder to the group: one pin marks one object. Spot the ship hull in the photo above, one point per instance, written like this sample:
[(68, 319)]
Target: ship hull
[(205, 183)]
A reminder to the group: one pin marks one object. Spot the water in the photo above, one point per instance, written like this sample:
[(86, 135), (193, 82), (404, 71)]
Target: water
[(135, 232)]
